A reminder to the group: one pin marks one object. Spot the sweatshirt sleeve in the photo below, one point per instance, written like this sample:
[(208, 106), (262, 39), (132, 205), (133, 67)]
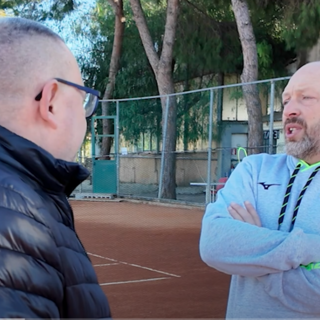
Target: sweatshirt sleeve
[(301, 292), (239, 248)]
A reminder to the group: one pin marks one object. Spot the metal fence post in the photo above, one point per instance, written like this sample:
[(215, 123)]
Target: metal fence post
[(164, 136), (117, 147), (208, 188), (93, 138), (271, 117), (80, 162), (93, 148)]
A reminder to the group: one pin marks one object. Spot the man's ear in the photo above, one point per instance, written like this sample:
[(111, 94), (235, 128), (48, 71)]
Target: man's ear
[(47, 104)]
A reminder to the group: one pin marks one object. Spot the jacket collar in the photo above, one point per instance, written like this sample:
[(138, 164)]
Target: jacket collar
[(39, 166), (293, 162)]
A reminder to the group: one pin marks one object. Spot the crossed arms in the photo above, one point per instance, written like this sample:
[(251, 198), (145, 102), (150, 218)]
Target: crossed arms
[(233, 241)]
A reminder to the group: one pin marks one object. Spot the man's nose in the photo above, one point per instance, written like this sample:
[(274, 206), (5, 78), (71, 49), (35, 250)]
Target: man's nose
[(291, 109)]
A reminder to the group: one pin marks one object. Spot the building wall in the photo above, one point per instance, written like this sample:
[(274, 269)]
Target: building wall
[(314, 52), (234, 106), (277, 125), (225, 156), (145, 168)]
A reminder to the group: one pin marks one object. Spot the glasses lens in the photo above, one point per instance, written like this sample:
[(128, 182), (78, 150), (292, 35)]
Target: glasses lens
[(90, 104)]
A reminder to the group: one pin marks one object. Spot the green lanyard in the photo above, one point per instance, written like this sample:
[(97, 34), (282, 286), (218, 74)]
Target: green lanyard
[(287, 195)]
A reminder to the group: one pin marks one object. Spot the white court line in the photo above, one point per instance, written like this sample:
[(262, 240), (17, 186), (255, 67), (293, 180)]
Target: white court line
[(96, 255), (150, 269), (135, 265), (105, 264), (132, 281)]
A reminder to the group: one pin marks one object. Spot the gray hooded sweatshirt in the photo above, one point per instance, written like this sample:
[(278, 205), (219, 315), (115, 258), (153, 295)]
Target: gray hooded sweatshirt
[(275, 270)]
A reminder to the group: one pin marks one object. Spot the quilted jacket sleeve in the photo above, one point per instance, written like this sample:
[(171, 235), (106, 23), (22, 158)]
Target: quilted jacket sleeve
[(31, 285)]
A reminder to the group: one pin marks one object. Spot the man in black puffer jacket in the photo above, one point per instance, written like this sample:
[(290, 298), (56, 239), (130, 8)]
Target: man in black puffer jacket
[(44, 269)]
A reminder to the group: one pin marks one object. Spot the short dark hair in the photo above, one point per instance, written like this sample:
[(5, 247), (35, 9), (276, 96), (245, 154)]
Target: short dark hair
[(23, 43), (14, 28)]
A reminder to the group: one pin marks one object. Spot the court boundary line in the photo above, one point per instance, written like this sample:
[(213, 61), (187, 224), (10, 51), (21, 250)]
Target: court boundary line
[(105, 264), (133, 281), (134, 265)]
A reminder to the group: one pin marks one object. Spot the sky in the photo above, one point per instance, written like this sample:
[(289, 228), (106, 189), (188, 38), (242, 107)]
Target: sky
[(77, 44)]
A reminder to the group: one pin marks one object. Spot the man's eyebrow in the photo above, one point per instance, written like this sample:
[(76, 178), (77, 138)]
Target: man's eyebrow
[(300, 90), (285, 94)]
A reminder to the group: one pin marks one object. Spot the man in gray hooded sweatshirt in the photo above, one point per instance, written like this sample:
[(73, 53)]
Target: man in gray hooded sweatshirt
[(264, 228)]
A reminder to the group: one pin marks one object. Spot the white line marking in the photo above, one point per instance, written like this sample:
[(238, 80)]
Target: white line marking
[(150, 269), (135, 265), (132, 281), (105, 264), (96, 255)]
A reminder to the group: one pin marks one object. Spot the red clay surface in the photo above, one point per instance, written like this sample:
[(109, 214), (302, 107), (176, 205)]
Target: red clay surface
[(147, 260)]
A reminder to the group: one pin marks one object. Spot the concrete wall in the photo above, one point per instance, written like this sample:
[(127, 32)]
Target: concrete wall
[(145, 168)]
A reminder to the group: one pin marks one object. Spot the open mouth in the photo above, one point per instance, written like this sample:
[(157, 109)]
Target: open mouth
[(293, 130)]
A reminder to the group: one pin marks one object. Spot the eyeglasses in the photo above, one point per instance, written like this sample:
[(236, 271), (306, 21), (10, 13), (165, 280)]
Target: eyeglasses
[(90, 102)]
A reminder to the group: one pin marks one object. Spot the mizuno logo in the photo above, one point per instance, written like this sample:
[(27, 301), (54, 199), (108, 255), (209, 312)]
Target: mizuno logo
[(266, 186)]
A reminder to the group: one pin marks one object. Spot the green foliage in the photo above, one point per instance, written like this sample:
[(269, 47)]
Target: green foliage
[(10, 4), (301, 23), (193, 117), (135, 77), (39, 10), (264, 50), (60, 8), (207, 43), (236, 94), (292, 25), (140, 117)]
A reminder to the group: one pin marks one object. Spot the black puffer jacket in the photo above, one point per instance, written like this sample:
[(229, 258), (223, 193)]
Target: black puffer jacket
[(44, 269)]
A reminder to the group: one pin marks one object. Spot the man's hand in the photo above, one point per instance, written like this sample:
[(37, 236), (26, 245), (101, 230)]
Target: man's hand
[(247, 214)]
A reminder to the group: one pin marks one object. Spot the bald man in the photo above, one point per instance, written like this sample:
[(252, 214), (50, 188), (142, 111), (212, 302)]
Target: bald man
[(45, 271), (264, 228)]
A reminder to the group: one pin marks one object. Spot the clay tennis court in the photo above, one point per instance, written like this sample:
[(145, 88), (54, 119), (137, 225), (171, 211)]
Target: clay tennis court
[(147, 260)]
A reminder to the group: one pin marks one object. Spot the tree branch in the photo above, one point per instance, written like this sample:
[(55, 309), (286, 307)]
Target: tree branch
[(202, 12), (114, 5), (145, 36)]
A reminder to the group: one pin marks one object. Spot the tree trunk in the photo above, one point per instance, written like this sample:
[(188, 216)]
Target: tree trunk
[(162, 68), (249, 74), (169, 169), (107, 125), (220, 81)]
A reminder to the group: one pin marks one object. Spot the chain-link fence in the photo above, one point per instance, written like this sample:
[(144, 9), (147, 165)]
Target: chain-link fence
[(176, 146)]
